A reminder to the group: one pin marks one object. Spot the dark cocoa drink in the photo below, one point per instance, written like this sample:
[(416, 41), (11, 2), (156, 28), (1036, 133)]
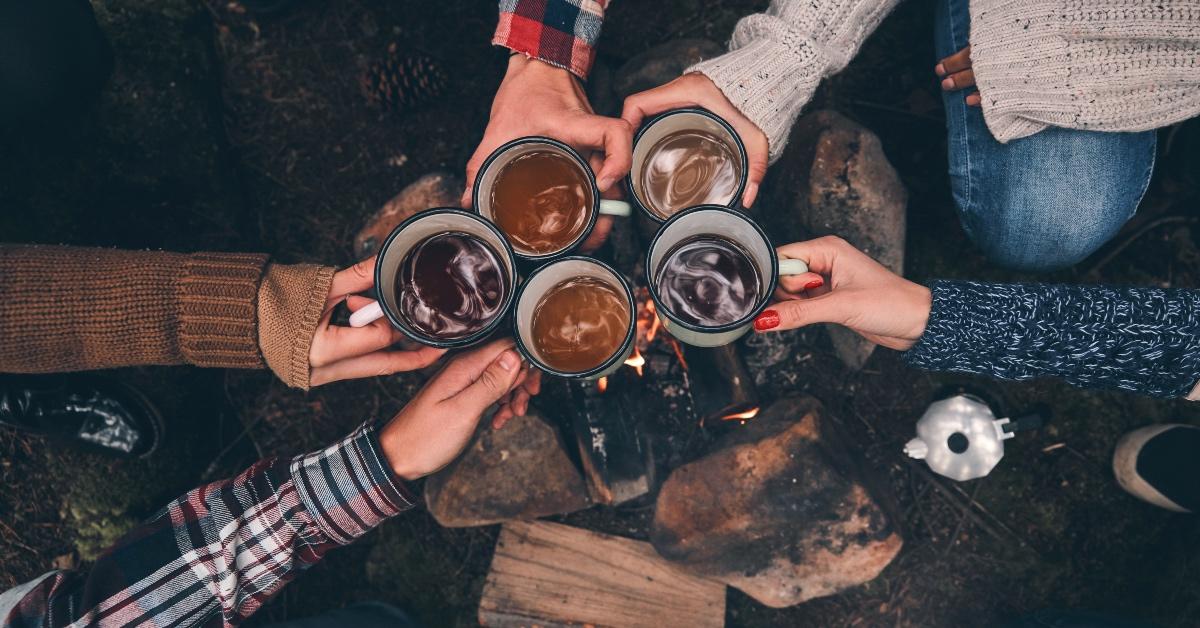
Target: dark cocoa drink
[(579, 323), (688, 168), (708, 281), (542, 201), (450, 286)]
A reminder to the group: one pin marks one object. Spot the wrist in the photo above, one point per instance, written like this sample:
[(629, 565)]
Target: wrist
[(921, 299), (391, 443), (534, 69)]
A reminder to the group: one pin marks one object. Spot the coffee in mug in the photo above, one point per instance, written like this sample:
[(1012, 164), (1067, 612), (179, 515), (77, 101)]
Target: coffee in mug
[(542, 201), (451, 285), (579, 323), (542, 195), (708, 281), (685, 158)]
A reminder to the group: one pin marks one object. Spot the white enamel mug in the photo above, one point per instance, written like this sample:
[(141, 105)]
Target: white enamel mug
[(549, 276), (412, 232), (730, 224), (481, 195)]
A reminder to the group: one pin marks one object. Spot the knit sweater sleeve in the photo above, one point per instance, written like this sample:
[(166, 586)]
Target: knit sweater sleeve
[(1140, 339), (776, 59)]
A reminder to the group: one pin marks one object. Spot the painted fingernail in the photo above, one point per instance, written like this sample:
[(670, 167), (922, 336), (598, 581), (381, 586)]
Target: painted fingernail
[(940, 69), (948, 83), (509, 360), (767, 320), (815, 283)]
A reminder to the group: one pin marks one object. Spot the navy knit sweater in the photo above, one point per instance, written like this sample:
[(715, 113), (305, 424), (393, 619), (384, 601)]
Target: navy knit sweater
[(1141, 339)]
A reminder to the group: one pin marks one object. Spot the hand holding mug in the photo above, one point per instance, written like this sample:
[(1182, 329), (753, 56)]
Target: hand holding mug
[(338, 353), (846, 287), (697, 90), (433, 429)]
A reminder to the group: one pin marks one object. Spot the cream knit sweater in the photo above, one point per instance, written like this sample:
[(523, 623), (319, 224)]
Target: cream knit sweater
[(1103, 65)]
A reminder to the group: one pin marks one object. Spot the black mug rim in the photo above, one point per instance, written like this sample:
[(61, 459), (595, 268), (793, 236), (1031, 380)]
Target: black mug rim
[(465, 341), (630, 335), (737, 140), (587, 169), (769, 283)]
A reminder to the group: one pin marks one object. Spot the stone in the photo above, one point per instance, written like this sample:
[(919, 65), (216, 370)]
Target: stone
[(835, 180), (778, 510), (436, 189), (662, 64), (519, 472)]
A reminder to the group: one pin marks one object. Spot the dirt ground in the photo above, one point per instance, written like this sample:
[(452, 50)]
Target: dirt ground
[(222, 131)]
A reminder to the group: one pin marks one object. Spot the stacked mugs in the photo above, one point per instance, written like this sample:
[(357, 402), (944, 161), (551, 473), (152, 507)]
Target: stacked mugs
[(450, 278)]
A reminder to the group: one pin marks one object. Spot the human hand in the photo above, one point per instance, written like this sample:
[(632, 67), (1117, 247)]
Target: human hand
[(339, 353), (516, 403), (437, 424), (692, 90), (537, 98), (860, 294), (956, 73)]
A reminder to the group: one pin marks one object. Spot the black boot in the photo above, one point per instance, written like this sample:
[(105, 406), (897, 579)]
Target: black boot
[(97, 413)]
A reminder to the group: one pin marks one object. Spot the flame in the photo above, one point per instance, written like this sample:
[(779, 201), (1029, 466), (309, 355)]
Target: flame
[(655, 324), (741, 416), (602, 384), (636, 361)]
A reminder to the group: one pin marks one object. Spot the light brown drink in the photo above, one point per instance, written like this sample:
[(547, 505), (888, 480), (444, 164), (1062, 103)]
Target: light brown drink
[(688, 168), (542, 201), (579, 323)]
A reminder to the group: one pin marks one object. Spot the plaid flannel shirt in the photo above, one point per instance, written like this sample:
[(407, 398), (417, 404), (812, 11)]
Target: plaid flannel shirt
[(562, 33), (215, 555)]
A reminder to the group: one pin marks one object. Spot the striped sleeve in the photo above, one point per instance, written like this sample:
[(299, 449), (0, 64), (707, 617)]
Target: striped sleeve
[(562, 33), (215, 555)]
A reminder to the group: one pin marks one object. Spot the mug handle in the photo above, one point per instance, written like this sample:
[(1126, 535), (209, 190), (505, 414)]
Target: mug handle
[(367, 315), (610, 207), (792, 266)]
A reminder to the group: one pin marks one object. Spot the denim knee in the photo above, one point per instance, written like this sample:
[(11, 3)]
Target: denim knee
[(1044, 203)]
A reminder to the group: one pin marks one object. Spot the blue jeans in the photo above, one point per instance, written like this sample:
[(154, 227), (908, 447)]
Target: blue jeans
[(1040, 202)]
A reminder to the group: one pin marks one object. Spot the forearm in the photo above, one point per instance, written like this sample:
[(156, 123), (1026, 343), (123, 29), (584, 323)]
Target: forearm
[(562, 33), (776, 59), (216, 554), (69, 308), (1141, 339)]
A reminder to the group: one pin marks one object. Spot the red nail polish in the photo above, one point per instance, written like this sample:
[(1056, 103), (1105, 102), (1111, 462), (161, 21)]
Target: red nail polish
[(767, 320), (815, 283)]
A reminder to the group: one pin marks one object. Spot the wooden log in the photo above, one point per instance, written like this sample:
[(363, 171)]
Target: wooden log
[(614, 450), (548, 574), (721, 384)]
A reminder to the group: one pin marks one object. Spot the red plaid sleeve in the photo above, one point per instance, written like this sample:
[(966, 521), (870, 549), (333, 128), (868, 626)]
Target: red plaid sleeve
[(562, 33), (215, 555)]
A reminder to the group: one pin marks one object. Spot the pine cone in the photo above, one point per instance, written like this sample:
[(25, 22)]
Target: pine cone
[(404, 80)]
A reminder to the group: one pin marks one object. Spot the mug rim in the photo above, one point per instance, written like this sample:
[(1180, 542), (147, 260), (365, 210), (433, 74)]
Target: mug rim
[(630, 334), (737, 140), (769, 283), (590, 175), (457, 343)]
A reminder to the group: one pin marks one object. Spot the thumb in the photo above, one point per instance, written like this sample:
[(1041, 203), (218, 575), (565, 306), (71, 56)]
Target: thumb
[(493, 383), (828, 308)]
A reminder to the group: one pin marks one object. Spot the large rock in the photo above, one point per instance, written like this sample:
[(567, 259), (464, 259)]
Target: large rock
[(436, 189), (519, 472), (662, 64), (779, 511), (835, 180)]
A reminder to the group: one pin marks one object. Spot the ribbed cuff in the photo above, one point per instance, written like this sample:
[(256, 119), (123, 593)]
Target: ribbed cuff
[(348, 488), (216, 296), (291, 301), (769, 83)]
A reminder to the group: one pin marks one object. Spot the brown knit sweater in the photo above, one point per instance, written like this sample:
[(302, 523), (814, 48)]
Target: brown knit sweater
[(69, 309)]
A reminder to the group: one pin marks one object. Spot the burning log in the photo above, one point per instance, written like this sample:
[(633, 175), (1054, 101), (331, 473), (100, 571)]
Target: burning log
[(614, 451), (722, 387)]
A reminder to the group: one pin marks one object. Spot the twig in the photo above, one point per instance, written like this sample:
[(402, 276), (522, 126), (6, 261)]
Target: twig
[(1133, 237), (966, 512)]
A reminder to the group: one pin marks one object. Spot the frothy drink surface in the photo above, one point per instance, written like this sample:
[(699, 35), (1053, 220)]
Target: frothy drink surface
[(579, 323), (450, 286), (708, 281), (542, 201), (688, 168)]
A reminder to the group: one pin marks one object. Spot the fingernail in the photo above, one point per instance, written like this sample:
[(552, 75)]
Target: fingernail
[(815, 283), (509, 360), (948, 83), (604, 183), (767, 320), (940, 69)]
